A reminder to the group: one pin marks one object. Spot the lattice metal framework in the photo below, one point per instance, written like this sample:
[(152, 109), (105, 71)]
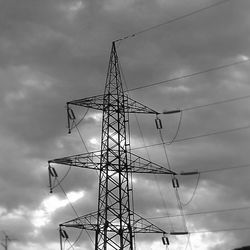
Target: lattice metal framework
[(115, 223)]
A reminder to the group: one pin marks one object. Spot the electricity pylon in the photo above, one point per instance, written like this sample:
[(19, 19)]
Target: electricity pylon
[(6, 241), (114, 223)]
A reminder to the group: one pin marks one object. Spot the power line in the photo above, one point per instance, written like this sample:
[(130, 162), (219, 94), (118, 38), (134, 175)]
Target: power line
[(73, 208), (191, 75), (179, 203), (224, 168), (221, 230), (201, 212), (172, 20), (213, 133), (177, 130), (196, 136), (216, 103), (215, 170), (194, 192)]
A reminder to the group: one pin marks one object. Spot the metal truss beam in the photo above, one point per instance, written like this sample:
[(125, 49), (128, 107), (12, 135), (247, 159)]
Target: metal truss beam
[(97, 102), (92, 161), (115, 223), (89, 222)]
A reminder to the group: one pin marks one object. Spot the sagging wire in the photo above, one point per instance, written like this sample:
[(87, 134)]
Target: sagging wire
[(53, 173), (157, 183), (63, 234), (178, 129), (129, 145), (175, 181), (85, 146), (59, 181), (72, 118), (73, 124), (164, 238), (70, 203), (77, 239), (71, 245), (194, 192)]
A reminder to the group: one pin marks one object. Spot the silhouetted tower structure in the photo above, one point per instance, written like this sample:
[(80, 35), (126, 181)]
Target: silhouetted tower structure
[(115, 223), (6, 241)]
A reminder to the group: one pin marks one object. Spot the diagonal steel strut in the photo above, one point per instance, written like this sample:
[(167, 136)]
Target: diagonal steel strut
[(115, 223)]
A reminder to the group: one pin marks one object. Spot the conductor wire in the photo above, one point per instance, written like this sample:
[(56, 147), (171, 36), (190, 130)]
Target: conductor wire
[(61, 180), (70, 203), (194, 192), (175, 187), (143, 140), (177, 131), (172, 20), (168, 81)]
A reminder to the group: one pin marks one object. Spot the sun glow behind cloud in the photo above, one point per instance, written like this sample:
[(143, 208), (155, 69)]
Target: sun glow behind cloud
[(43, 214)]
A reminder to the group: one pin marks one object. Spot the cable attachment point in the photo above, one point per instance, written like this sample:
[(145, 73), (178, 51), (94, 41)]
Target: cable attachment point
[(52, 173), (167, 112), (175, 182), (70, 116), (158, 123), (165, 240), (189, 173), (64, 234)]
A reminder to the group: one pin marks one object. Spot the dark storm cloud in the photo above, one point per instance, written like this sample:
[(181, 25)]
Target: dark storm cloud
[(52, 52)]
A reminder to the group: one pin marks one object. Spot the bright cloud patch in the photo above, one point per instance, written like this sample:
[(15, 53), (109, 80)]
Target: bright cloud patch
[(93, 141), (24, 81), (71, 8), (96, 116), (42, 216), (243, 57)]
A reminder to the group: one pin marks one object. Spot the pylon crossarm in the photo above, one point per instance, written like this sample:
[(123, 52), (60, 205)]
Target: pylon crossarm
[(88, 222), (89, 160), (95, 102), (141, 225), (115, 222), (136, 107), (141, 165)]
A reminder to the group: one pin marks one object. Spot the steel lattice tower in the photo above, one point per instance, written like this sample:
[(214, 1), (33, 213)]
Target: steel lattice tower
[(115, 223)]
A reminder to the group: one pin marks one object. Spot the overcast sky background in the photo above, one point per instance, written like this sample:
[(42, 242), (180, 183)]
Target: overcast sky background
[(54, 51)]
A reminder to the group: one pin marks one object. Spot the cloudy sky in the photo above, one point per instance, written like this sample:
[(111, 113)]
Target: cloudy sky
[(54, 51)]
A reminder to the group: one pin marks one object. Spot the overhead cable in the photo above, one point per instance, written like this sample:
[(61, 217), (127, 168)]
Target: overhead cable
[(200, 213), (73, 208), (224, 168), (172, 20), (194, 192), (221, 230), (174, 181), (216, 103), (177, 130), (61, 180), (197, 136), (190, 75), (197, 172)]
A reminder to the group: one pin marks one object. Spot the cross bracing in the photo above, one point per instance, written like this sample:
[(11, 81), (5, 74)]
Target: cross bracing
[(115, 223)]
